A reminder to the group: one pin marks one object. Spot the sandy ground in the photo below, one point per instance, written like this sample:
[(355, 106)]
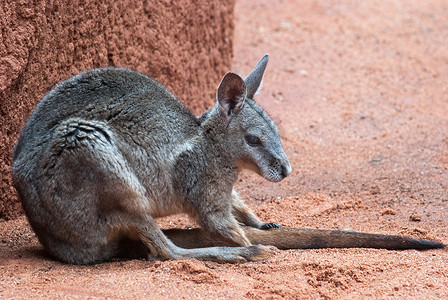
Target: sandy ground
[(360, 93)]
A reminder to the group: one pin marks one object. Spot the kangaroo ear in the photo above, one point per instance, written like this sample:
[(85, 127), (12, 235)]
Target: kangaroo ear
[(231, 94), (254, 79)]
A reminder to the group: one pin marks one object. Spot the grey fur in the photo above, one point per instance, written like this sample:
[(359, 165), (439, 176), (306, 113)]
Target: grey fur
[(109, 150)]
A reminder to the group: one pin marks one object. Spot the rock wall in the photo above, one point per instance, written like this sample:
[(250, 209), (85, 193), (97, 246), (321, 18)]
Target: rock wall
[(185, 44)]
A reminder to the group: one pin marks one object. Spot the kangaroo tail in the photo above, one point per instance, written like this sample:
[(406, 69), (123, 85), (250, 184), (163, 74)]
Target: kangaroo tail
[(304, 238)]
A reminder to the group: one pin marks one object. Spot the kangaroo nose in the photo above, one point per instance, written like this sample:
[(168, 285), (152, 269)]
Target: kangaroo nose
[(286, 169)]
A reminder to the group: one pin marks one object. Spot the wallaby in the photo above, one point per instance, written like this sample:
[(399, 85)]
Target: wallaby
[(109, 150)]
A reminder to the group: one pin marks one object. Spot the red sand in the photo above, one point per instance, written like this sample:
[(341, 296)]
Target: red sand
[(359, 89)]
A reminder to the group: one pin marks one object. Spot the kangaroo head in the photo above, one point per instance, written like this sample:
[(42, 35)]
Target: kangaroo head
[(251, 136)]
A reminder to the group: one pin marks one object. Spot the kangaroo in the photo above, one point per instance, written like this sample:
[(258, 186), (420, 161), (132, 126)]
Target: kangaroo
[(109, 150)]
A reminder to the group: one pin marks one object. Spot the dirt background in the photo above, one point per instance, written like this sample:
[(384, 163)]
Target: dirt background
[(43, 42), (359, 89)]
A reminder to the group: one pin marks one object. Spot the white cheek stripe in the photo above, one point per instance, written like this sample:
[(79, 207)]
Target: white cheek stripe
[(178, 149)]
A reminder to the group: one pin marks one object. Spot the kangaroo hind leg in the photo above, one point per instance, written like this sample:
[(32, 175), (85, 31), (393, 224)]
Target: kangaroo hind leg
[(84, 183), (163, 248)]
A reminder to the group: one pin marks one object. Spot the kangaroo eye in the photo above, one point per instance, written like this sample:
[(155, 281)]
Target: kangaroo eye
[(252, 140)]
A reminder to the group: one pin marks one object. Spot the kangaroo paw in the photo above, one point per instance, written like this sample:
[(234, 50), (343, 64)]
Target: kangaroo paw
[(258, 252), (270, 226)]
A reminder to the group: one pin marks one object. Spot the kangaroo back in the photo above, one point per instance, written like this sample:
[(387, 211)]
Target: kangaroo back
[(123, 98)]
